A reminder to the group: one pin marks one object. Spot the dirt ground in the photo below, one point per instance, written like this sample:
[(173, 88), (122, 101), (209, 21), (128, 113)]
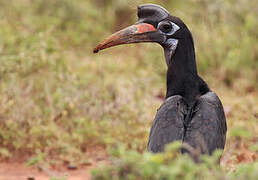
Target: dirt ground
[(16, 170), (19, 171)]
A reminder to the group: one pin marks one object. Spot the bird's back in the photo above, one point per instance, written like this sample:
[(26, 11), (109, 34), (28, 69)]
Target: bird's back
[(206, 131), (203, 127)]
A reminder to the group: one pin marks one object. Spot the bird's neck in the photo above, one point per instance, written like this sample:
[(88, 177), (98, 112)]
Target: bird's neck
[(182, 76)]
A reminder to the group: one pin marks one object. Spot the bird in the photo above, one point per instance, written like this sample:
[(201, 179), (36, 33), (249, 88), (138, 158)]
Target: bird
[(191, 112)]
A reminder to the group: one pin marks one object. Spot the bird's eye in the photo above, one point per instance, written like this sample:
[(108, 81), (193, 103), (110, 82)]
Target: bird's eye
[(165, 27), (168, 27)]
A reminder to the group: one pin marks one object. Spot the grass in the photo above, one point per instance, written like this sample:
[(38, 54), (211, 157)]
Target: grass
[(58, 99), (169, 165)]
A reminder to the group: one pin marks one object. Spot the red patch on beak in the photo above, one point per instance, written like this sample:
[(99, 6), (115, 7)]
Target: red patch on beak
[(144, 27)]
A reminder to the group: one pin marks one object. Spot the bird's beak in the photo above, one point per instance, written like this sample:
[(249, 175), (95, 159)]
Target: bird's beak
[(137, 33)]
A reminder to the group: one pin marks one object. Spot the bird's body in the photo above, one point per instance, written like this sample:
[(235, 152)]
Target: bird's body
[(202, 126), (191, 112)]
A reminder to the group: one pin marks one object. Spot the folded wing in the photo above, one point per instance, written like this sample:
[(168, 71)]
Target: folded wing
[(207, 129), (168, 124)]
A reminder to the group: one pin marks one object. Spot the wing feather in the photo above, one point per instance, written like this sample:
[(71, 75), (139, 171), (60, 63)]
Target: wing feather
[(168, 124), (207, 129)]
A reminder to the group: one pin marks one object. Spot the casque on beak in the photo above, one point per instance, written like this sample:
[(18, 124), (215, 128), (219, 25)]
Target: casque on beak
[(142, 32)]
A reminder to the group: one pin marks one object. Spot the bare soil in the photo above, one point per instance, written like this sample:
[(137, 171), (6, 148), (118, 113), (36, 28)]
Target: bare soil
[(18, 170)]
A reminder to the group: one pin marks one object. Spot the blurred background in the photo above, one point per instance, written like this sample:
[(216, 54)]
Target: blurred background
[(59, 100)]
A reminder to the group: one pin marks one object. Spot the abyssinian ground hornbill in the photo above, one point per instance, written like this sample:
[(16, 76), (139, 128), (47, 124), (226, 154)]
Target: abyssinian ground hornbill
[(191, 112)]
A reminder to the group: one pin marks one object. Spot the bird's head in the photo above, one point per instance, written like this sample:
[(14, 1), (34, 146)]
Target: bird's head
[(154, 24)]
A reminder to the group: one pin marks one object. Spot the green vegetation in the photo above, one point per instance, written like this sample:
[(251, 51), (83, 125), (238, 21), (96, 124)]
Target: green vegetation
[(58, 99), (169, 165)]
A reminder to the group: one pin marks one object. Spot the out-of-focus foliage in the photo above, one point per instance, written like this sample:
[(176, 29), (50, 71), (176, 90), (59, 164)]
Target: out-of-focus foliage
[(168, 165), (57, 99)]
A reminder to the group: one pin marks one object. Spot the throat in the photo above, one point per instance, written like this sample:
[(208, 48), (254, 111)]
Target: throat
[(182, 76), (184, 84)]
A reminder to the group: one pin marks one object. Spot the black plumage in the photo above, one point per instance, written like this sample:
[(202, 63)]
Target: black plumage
[(203, 126), (191, 112)]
